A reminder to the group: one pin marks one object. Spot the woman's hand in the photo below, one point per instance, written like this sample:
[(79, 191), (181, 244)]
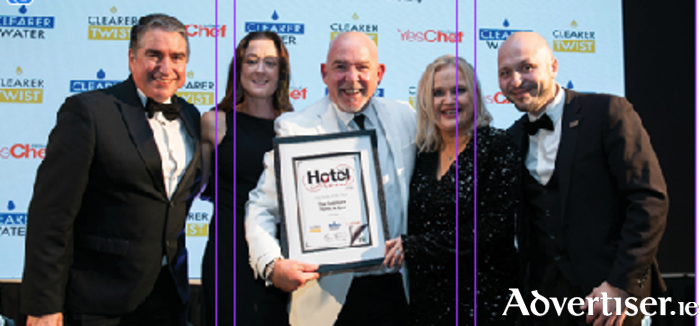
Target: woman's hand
[(393, 253)]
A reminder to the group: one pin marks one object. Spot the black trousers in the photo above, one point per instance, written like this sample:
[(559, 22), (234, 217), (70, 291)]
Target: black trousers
[(162, 307), (375, 300)]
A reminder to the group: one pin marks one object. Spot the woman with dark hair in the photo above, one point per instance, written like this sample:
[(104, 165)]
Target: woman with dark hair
[(261, 95), (447, 93)]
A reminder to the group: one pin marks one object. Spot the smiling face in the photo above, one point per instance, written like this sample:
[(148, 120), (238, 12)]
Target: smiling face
[(526, 71), (352, 71), (159, 64), (447, 93), (260, 69)]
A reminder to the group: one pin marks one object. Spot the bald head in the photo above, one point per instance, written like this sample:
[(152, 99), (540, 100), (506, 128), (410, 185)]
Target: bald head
[(526, 71), (352, 71), (352, 39)]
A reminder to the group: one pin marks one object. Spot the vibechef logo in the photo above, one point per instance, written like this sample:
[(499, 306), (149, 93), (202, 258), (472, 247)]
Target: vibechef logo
[(25, 27), (111, 28), (339, 176)]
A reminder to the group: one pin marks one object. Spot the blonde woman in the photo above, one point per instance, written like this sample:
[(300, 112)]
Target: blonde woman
[(446, 134)]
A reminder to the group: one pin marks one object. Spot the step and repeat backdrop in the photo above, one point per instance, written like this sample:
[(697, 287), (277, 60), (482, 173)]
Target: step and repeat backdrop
[(51, 50)]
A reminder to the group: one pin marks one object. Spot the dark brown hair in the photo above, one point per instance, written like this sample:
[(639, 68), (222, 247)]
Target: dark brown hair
[(280, 99)]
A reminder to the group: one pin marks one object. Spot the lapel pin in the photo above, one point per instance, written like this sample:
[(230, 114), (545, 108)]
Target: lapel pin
[(573, 124)]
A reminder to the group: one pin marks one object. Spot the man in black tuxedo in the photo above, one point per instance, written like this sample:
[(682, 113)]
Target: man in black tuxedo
[(594, 199), (105, 240)]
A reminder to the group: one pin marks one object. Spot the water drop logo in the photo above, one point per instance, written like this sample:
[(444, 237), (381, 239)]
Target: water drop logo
[(101, 74), (190, 74), (113, 10), (23, 10), (10, 205), (355, 16), (275, 16), (570, 85), (506, 23), (574, 24), (19, 71)]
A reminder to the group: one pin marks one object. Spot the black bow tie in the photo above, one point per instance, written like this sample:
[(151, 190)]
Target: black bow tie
[(170, 111), (544, 122)]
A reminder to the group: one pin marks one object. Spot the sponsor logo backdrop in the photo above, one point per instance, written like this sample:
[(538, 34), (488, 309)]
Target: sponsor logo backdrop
[(53, 51)]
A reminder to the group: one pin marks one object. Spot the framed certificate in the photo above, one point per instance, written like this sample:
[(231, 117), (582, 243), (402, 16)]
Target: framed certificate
[(331, 200)]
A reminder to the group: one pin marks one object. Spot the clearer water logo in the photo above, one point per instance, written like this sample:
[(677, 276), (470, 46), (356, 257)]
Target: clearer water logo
[(494, 37), (79, 86), (372, 30), (25, 27), (111, 28), (21, 90), (288, 32), (200, 92), (573, 40), (13, 224), (197, 224), (19, 2)]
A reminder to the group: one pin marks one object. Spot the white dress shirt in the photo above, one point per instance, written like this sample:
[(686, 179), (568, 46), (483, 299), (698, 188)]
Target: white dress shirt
[(175, 146), (542, 152)]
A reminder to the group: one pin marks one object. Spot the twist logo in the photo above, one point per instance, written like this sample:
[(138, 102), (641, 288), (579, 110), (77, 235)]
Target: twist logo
[(340, 176), (197, 224), (110, 28), (21, 90), (25, 27), (288, 32), (372, 30), (12, 224), (79, 86), (573, 41), (197, 92), (494, 37)]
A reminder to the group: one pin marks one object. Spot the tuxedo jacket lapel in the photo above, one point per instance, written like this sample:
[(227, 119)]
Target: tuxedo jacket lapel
[(141, 134), (570, 124)]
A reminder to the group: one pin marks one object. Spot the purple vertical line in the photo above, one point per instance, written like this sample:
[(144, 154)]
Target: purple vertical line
[(216, 167), (474, 103), (457, 167), (695, 172), (235, 218)]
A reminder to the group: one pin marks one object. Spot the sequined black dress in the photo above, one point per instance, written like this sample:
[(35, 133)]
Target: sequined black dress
[(431, 241)]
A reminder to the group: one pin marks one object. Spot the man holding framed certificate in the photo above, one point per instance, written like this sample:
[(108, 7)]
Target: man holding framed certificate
[(374, 294)]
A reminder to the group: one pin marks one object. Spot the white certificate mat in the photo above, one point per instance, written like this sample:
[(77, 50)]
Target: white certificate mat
[(331, 200)]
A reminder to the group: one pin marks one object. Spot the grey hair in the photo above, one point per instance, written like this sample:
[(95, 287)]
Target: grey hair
[(153, 21)]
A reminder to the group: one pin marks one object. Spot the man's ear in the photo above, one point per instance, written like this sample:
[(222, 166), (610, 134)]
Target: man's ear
[(324, 72), (555, 67), (380, 72)]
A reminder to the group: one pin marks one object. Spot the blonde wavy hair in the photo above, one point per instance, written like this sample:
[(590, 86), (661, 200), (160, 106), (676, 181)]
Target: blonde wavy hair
[(428, 138)]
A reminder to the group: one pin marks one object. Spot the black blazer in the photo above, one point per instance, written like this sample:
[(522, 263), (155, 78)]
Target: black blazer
[(100, 220), (613, 195)]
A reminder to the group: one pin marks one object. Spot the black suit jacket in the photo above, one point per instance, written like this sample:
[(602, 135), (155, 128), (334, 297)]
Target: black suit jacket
[(613, 195), (100, 220)]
